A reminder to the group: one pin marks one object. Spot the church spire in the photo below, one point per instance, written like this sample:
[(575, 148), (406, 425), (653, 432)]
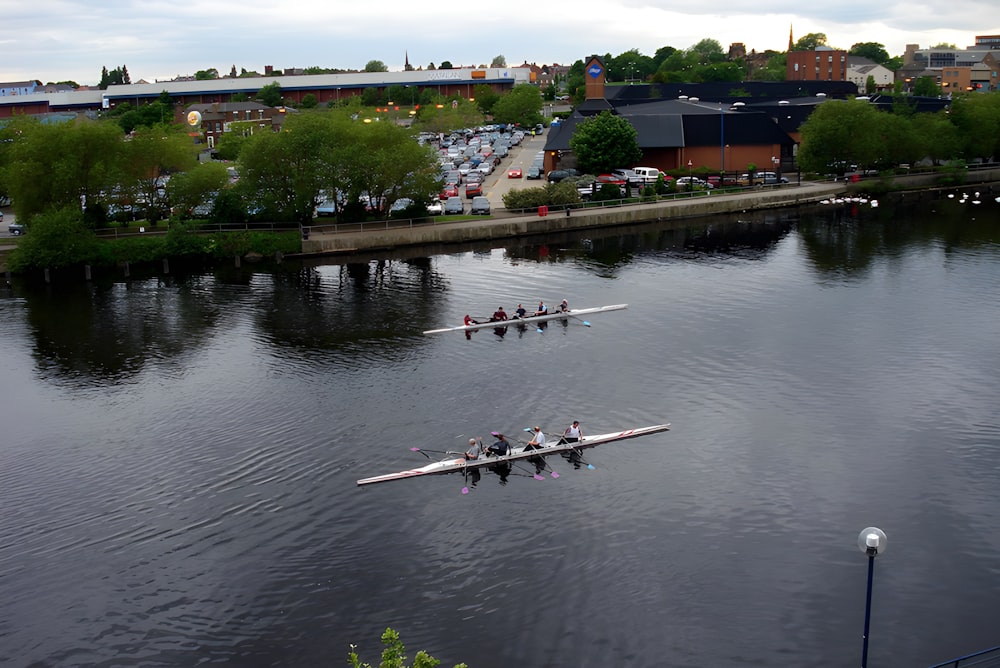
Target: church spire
[(791, 42)]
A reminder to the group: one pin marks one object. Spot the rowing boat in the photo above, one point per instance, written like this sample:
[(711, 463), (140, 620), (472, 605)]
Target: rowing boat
[(452, 464), (574, 313)]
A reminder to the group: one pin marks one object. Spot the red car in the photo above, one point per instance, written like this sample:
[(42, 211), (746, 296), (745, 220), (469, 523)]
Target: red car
[(610, 178), (514, 173), (450, 190), (473, 189)]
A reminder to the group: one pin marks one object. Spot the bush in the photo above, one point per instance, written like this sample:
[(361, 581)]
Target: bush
[(58, 238)]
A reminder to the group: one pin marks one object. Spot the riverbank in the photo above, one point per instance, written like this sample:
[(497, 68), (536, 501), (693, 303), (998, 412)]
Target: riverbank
[(333, 240)]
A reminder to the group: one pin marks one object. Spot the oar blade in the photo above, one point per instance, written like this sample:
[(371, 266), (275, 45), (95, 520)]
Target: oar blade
[(465, 490), (538, 477), (590, 466), (586, 324), (554, 474)]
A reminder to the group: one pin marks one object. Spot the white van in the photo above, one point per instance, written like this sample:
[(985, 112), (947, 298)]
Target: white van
[(647, 174)]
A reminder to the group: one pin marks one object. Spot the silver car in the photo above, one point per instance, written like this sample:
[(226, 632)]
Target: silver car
[(481, 206), (454, 206)]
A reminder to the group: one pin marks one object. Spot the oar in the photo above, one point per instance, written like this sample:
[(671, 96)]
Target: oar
[(544, 462), (578, 453), (576, 317)]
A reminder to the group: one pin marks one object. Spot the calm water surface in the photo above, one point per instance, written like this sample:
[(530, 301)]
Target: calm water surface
[(178, 464)]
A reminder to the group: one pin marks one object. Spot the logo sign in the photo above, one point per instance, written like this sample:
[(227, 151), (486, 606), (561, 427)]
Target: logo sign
[(194, 118), (595, 70)]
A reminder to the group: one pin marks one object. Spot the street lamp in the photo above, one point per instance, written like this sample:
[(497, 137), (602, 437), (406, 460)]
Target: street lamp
[(690, 182), (872, 542)]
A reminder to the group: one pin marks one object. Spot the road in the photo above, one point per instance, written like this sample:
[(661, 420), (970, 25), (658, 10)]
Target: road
[(520, 156)]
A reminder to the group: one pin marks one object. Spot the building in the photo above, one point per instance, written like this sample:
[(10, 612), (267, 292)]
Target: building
[(247, 117), (973, 68), (822, 64), (677, 131), (325, 87), (859, 69)]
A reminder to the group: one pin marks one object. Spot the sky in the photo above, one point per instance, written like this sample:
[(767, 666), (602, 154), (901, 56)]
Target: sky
[(60, 40)]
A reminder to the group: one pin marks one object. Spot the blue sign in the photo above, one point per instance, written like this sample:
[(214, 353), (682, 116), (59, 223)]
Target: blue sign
[(595, 70)]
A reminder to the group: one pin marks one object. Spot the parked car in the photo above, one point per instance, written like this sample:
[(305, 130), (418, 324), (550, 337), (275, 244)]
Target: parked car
[(514, 173), (480, 205), (473, 190), (453, 206), (611, 178), (17, 229), (533, 173), (435, 208), (693, 181), (449, 190)]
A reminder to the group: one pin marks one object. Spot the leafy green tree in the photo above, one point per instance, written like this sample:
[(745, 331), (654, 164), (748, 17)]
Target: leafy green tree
[(940, 138), (149, 158), (486, 97), (393, 656), (603, 142), (270, 95), (197, 186), (809, 42), (59, 238), (773, 70), (708, 51), (926, 86), (376, 66), (309, 101), (870, 85), (205, 75), (977, 118), (62, 165), (523, 104), (498, 61), (839, 133), (873, 51)]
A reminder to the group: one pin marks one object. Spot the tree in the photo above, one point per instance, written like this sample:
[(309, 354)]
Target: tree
[(197, 186), (840, 133), (150, 156), (205, 75), (604, 142), (926, 86), (873, 51), (446, 65), (59, 238), (708, 51), (61, 165), (309, 101), (376, 66), (393, 657), (523, 104), (870, 85), (486, 97), (498, 61), (270, 95), (809, 42)]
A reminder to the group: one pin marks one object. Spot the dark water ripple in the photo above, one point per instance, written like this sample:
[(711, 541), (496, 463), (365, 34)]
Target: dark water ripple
[(184, 492)]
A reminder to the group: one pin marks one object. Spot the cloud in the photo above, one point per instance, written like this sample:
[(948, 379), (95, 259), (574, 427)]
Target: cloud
[(66, 39)]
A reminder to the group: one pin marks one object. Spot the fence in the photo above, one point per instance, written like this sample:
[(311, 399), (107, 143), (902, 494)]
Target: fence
[(987, 658)]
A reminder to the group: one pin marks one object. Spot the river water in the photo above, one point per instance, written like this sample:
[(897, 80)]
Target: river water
[(179, 452)]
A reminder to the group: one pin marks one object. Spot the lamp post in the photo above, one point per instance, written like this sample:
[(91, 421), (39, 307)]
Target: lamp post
[(872, 542), (776, 162), (690, 182)]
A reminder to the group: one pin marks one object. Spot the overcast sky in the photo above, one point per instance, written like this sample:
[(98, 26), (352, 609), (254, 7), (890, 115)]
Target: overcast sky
[(57, 40)]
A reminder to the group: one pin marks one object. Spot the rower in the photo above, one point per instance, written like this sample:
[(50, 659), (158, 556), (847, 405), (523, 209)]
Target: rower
[(542, 309), (475, 449), (499, 315), (564, 306), (519, 312), (501, 447), (573, 433), (538, 441), (469, 321)]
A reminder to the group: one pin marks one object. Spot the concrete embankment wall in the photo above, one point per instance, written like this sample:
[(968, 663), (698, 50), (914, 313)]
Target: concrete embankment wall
[(325, 241)]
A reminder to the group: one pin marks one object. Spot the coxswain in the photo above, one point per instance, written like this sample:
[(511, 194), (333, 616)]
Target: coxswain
[(469, 321)]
